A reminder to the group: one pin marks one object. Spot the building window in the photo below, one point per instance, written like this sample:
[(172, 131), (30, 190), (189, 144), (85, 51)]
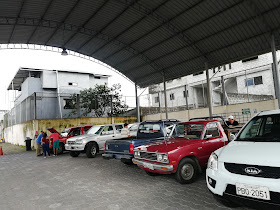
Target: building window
[(72, 84), (68, 104), (96, 77), (250, 59), (171, 96), (258, 80), (254, 81), (229, 65), (156, 99), (224, 66), (184, 93), (198, 73)]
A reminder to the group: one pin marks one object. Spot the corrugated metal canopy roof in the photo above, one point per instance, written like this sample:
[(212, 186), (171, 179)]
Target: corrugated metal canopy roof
[(144, 38)]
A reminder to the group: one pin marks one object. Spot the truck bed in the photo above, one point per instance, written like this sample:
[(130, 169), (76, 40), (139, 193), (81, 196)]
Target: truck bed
[(122, 145)]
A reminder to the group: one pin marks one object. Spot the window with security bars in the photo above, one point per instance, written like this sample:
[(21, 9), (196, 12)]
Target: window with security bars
[(254, 81), (172, 97)]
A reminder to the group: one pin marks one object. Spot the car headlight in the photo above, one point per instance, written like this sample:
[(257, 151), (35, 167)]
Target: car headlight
[(162, 158), (213, 162), (137, 154)]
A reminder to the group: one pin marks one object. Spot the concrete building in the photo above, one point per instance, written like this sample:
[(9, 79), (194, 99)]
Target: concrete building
[(45, 94), (244, 81)]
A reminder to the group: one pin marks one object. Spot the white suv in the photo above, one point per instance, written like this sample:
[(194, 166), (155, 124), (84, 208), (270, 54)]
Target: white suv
[(247, 170)]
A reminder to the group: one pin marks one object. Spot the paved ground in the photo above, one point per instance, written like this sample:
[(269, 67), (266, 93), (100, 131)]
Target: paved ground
[(63, 182), (11, 149)]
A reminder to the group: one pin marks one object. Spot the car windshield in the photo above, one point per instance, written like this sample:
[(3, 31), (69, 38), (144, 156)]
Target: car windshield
[(95, 129), (65, 132), (262, 129), (189, 130), (152, 128)]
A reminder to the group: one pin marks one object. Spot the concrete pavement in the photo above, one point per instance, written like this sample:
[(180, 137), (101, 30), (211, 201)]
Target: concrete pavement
[(64, 182)]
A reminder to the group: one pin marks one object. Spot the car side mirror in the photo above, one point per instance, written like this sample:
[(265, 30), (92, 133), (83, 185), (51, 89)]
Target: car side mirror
[(208, 136), (232, 136)]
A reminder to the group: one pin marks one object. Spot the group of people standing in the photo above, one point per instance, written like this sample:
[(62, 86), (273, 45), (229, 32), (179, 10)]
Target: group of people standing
[(43, 141)]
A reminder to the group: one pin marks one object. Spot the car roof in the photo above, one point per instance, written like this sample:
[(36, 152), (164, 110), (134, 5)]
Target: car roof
[(79, 126), (269, 112), (199, 121), (110, 124)]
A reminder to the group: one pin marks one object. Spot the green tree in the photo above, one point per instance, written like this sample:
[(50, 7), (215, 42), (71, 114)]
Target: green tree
[(100, 101)]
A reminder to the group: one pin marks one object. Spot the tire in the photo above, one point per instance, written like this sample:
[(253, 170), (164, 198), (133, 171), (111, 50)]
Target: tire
[(74, 154), (151, 173), (187, 171), (91, 150), (60, 148)]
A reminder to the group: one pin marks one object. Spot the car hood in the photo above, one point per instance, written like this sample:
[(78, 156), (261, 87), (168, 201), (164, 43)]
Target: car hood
[(251, 153), (52, 130), (82, 137), (166, 146)]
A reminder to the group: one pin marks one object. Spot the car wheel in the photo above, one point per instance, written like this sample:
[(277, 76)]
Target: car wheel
[(151, 173), (91, 150), (60, 148), (74, 154), (187, 171)]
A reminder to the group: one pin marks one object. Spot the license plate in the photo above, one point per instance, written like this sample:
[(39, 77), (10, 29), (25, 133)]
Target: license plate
[(149, 166), (253, 191)]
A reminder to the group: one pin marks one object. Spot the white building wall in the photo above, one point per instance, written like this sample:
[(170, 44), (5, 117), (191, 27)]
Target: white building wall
[(267, 88), (253, 68), (49, 79), (28, 87), (96, 80)]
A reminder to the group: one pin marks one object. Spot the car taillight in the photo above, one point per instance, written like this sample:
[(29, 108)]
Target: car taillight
[(105, 147), (131, 148)]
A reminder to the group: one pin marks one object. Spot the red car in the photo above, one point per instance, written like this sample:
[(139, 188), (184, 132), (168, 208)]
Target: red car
[(185, 153), (73, 131)]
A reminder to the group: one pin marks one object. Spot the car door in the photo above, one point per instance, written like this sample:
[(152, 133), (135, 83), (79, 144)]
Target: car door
[(212, 140), (106, 133)]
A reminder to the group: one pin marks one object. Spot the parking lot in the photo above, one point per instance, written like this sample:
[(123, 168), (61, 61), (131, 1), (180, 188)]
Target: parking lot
[(30, 182)]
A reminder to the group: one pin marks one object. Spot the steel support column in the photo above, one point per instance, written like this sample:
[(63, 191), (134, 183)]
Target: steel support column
[(137, 104), (224, 100), (209, 91), (165, 98), (275, 69), (186, 97), (58, 95)]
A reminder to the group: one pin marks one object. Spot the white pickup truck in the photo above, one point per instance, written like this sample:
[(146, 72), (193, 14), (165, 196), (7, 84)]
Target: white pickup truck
[(93, 141)]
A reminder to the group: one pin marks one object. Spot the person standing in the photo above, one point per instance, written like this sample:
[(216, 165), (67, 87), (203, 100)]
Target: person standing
[(38, 144), (125, 131), (54, 137), (45, 145), (232, 122)]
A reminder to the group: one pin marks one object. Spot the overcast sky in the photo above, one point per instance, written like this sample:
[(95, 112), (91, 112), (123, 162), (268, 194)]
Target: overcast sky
[(13, 59)]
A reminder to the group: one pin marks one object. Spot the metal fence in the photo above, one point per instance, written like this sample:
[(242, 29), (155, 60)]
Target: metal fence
[(50, 105)]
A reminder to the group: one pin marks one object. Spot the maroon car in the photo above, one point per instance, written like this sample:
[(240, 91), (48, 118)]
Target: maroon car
[(73, 131), (185, 153)]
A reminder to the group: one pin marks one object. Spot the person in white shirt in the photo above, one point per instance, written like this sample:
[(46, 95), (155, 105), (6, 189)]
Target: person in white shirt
[(125, 131)]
